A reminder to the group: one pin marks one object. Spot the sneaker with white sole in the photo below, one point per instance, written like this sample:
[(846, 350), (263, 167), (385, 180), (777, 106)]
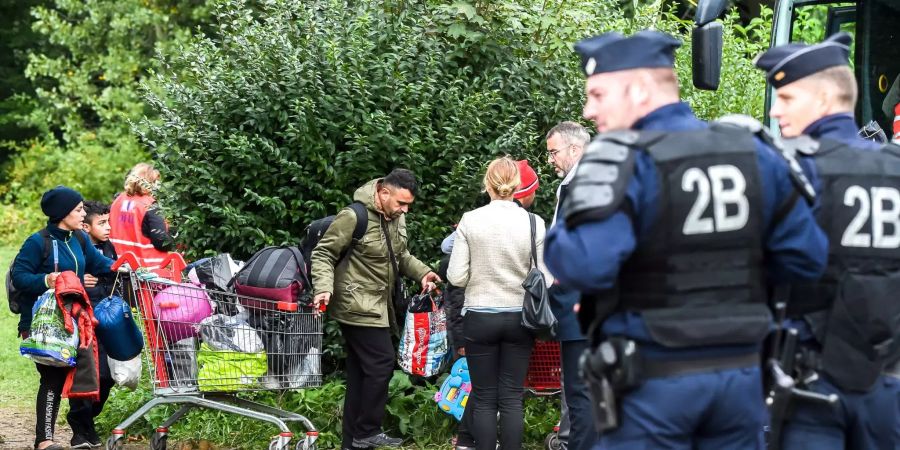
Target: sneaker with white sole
[(379, 440)]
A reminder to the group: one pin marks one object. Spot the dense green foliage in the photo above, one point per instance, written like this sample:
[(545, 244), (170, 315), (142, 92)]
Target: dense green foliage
[(80, 96), (276, 122)]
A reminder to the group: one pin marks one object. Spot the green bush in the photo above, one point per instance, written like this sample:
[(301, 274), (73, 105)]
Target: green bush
[(278, 121), (94, 169), (275, 122)]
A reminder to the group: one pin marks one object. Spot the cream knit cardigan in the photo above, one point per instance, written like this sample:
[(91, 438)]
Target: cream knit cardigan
[(492, 255)]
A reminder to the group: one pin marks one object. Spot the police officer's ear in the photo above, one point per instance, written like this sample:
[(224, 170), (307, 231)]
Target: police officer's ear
[(638, 88)]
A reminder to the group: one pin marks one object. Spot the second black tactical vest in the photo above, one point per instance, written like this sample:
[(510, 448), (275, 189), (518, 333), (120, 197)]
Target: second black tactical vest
[(854, 310), (697, 276)]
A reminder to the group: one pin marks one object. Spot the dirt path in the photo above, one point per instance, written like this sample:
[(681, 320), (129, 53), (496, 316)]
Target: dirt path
[(17, 429)]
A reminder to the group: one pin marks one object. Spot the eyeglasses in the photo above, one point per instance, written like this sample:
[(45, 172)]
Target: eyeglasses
[(554, 152)]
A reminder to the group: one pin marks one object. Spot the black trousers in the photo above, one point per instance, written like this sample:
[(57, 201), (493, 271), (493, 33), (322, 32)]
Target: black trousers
[(582, 434), (48, 399), (464, 436), (498, 348), (82, 412), (370, 365)]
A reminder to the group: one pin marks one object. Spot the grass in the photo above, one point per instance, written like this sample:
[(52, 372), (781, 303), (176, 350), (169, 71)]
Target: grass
[(18, 378)]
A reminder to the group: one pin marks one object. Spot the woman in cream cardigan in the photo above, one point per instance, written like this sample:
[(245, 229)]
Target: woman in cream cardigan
[(490, 259)]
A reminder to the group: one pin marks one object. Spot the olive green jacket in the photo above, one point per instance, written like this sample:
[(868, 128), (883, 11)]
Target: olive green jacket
[(362, 284)]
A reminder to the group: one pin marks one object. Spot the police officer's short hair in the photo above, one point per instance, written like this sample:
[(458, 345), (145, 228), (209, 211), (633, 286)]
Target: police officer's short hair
[(571, 132), (843, 79), (402, 179)]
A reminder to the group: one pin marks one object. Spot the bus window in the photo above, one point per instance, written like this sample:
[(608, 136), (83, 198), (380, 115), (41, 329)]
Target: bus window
[(813, 23), (878, 59)]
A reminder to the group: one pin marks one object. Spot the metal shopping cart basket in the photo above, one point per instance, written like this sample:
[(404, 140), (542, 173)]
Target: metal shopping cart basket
[(205, 347), (544, 373), (543, 379)]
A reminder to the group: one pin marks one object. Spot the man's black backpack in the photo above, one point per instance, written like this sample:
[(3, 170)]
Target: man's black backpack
[(13, 295), (317, 229)]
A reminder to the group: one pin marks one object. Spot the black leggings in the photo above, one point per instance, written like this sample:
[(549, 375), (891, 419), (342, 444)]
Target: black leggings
[(48, 399), (497, 348), (82, 412)]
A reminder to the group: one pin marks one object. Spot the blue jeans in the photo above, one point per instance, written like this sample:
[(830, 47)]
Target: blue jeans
[(719, 410), (868, 420)]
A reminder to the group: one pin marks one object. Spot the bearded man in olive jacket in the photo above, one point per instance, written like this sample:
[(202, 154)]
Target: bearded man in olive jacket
[(358, 289)]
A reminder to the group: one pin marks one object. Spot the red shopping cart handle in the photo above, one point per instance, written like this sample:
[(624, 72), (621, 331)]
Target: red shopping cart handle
[(178, 265), (173, 259), (127, 257)]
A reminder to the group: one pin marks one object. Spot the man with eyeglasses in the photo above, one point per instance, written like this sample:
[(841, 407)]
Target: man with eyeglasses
[(565, 145)]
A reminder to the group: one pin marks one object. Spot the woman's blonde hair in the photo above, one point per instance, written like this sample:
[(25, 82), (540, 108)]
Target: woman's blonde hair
[(141, 180), (502, 177)]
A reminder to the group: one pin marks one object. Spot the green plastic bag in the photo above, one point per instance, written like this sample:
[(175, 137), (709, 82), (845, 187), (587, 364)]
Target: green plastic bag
[(229, 371)]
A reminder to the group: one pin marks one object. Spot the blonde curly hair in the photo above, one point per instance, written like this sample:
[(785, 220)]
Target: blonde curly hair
[(142, 179), (502, 177)]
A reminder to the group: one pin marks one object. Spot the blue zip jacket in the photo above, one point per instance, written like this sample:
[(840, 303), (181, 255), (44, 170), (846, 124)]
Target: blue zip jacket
[(29, 270), (588, 257)]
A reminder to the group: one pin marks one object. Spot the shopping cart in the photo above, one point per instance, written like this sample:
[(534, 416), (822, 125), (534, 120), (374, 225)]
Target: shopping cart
[(544, 379), (205, 347), (544, 373)]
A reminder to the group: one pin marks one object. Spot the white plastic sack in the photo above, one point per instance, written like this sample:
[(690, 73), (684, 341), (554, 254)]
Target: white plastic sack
[(308, 373), (126, 373)]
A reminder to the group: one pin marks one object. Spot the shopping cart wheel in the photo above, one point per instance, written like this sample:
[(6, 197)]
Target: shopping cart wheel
[(158, 440), (281, 442), (305, 445), (552, 442), (115, 442)]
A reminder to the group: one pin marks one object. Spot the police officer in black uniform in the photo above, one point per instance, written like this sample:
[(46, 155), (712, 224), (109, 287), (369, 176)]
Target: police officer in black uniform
[(686, 222), (848, 321)]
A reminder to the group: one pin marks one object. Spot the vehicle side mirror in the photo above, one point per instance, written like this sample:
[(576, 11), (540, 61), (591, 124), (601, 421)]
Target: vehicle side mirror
[(706, 52), (708, 11)]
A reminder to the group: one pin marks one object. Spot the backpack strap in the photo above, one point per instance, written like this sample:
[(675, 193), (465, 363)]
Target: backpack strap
[(301, 266), (45, 234), (362, 221)]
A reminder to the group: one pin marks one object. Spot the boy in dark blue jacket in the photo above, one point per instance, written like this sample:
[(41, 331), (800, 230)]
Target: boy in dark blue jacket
[(33, 274), (82, 412)]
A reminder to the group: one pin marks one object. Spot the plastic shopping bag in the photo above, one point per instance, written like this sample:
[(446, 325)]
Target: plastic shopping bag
[(231, 333), (229, 371), (126, 373), (423, 345), (49, 343), (116, 329)]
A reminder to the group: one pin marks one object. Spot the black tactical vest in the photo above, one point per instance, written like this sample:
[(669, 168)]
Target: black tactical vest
[(697, 277), (854, 310)]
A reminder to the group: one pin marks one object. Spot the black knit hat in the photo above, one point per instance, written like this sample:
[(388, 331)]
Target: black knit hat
[(58, 202)]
